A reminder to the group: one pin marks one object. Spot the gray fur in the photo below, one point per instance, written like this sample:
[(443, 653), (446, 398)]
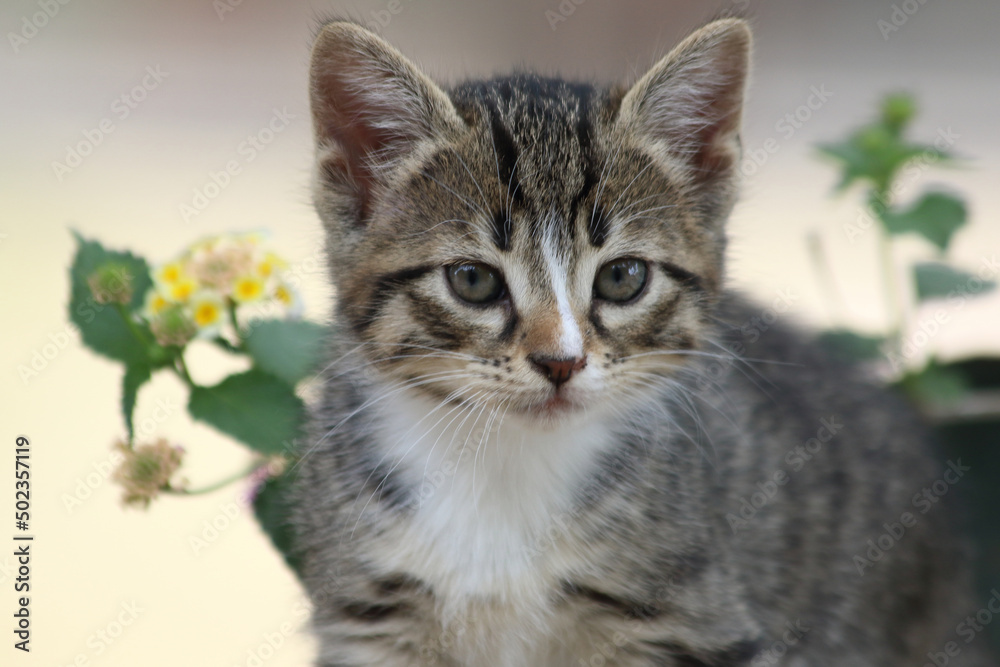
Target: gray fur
[(639, 554)]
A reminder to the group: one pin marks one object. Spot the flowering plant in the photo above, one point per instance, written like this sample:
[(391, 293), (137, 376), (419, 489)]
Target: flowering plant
[(233, 292)]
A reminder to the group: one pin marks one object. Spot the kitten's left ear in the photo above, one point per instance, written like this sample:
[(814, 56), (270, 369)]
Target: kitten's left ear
[(691, 101), (371, 107)]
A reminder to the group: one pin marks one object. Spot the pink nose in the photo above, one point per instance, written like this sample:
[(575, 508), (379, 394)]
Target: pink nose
[(558, 371)]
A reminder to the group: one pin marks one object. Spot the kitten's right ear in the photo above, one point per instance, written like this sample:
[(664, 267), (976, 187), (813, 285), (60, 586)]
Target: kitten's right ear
[(690, 102), (371, 107)]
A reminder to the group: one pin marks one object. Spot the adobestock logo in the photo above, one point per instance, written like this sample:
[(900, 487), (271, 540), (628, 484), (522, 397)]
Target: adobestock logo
[(121, 108), (32, 25)]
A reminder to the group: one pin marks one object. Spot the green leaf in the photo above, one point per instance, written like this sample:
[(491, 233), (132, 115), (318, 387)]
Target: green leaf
[(102, 327), (273, 510), (935, 216), (254, 407), (875, 154), (898, 109), (288, 349), (935, 385), (851, 345), (935, 280), (136, 375)]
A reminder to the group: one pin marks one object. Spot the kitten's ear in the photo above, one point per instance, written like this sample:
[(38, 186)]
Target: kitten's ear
[(371, 107), (691, 101)]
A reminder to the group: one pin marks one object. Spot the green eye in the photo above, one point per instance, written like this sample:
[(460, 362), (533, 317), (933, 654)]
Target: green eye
[(476, 283), (621, 280)]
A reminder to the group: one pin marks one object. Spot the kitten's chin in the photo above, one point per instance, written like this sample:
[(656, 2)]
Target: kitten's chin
[(556, 408)]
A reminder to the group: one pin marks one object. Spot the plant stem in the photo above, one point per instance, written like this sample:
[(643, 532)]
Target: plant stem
[(182, 370), (215, 486), (825, 277), (125, 314), (236, 325), (893, 303)]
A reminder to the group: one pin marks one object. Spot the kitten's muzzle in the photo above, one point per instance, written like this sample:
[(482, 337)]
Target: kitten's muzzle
[(558, 371)]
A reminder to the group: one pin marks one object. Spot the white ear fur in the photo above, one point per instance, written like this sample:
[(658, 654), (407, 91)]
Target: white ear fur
[(371, 106), (691, 101)]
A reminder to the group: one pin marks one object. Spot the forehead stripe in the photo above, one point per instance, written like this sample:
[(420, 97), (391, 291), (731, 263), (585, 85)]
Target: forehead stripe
[(506, 156)]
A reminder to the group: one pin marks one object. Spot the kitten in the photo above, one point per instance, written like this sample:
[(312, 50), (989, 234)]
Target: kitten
[(542, 439)]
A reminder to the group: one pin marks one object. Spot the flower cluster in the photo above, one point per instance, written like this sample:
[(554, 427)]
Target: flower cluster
[(146, 470), (193, 294)]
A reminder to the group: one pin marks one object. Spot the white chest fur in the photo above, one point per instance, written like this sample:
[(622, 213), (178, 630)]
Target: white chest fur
[(494, 498)]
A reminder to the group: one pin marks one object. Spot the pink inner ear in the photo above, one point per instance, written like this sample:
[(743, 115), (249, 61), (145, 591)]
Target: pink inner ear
[(715, 152), (359, 101), (344, 122)]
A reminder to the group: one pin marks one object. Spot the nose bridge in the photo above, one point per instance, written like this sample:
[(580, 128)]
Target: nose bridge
[(553, 330), (542, 326)]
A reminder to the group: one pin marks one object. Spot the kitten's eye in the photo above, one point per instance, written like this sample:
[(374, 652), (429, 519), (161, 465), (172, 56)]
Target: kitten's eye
[(476, 283), (621, 280)]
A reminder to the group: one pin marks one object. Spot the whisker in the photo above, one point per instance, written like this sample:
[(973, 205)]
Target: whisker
[(399, 460), (419, 381)]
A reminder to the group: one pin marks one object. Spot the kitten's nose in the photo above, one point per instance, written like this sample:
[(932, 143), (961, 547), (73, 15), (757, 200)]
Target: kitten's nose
[(558, 371)]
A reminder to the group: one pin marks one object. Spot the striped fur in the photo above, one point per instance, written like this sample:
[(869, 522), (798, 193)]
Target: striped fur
[(546, 479)]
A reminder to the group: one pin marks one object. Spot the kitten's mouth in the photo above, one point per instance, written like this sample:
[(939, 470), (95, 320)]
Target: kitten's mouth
[(556, 405)]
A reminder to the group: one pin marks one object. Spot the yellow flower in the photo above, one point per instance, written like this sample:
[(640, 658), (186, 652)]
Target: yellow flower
[(155, 303), (269, 264), (248, 289), (290, 298), (207, 310), (284, 294), (181, 291), (171, 274)]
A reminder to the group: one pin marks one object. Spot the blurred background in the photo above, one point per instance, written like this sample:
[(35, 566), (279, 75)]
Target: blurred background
[(155, 98)]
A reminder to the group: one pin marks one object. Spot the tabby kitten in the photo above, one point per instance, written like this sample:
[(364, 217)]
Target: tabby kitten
[(542, 438)]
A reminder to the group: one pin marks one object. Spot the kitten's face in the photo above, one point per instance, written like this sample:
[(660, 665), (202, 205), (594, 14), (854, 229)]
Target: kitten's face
[(533, 246)]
